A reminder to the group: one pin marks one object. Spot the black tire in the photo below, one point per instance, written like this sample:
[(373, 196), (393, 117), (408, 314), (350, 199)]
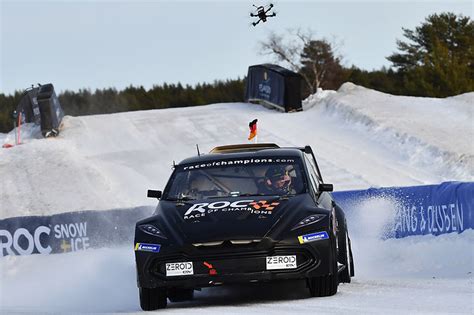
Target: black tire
[(180, 295), (152, 299), (345, 256), (352, 259), (325, 285)]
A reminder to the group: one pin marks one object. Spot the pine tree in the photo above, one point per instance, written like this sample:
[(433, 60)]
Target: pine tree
[(438, 58)]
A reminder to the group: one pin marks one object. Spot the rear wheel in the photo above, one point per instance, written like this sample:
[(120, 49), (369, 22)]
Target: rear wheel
[(152, 299), (345, 257), (180, 295)]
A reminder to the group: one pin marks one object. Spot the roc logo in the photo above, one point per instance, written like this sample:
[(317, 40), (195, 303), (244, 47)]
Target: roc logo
[(264, 205)]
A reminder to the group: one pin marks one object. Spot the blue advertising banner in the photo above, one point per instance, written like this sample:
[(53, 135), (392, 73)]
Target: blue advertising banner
[(418, 210), (266, 85), (68, 232), (421, 210)]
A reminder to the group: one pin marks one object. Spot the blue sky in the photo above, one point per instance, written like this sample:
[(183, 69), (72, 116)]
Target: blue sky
[(97, 44)]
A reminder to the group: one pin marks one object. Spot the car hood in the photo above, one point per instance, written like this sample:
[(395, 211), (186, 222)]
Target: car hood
[(236, 218)]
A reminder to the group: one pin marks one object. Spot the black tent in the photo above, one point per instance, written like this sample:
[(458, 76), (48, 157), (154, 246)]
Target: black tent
[(274, 86), (40, 105), (50, 109)]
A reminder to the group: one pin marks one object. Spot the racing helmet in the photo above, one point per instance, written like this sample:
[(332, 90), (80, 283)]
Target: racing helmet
[(276, 174)]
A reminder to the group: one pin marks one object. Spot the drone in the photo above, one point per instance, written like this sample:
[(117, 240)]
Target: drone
[(262, 14)]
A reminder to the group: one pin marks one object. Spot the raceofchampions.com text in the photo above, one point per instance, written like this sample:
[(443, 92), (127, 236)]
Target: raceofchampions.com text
[(237, 162)]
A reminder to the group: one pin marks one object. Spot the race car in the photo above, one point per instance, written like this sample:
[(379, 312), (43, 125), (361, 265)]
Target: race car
[(242, 214)]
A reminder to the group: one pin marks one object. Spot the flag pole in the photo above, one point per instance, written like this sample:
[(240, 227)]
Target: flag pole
[(15, 116), (19, 128)]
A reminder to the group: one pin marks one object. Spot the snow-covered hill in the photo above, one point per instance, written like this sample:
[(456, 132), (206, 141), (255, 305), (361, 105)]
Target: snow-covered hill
[(362, 138)]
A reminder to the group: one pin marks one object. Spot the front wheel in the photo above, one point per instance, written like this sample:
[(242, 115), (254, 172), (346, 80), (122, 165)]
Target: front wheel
[(326, 285), (180, 295), (152, 299), (323, 286)]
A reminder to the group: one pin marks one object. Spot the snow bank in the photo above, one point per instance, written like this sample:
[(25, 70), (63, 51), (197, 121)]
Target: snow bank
[(361, 137), (432, 132), (27, 132)]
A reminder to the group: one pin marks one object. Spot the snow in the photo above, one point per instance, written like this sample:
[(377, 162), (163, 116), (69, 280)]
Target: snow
[(420, 275), (443, 128), (362, 139)]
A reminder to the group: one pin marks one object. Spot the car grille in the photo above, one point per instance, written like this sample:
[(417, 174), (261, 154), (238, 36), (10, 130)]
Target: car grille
[(226, 242), (234, 262)]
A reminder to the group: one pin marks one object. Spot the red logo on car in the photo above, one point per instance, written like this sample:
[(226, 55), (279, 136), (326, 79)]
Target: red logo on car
[(257, 205)]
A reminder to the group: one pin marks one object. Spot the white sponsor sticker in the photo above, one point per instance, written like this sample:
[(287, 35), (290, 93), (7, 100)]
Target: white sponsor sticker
[(281, 262), (179, 269)]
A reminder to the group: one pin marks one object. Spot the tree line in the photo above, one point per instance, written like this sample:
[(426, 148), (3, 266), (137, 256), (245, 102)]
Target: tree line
[(436, 59), (111, 100)]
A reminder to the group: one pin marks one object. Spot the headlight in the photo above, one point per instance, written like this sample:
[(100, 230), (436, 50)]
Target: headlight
[(314, 218), (152, 230)]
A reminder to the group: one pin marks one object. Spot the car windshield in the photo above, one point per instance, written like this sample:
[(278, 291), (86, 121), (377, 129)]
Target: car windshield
[(252, 177)]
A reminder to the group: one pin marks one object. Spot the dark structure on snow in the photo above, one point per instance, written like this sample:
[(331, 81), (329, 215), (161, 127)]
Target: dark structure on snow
[(40, 105), (50, 109), (28, 106), (274, 86)]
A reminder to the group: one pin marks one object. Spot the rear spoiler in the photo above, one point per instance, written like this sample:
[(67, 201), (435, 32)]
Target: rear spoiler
[(243, 147)]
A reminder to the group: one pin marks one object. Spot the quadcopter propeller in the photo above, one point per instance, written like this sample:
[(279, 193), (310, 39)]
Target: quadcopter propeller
[(262, 13)]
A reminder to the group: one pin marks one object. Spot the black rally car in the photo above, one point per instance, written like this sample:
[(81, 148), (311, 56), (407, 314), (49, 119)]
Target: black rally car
[(242, 214)]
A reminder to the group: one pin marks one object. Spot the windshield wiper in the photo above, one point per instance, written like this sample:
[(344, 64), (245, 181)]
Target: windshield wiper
[(230, 195), (236, 195), (287, 196), (183, 198)]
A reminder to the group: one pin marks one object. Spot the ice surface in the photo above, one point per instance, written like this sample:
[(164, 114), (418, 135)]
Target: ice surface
[(415, 275)]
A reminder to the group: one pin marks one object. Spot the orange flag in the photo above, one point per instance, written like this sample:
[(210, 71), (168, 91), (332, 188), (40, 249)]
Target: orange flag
[(253, 129)]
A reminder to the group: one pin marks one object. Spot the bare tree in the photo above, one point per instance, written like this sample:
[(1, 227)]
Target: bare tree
[(313, 59)]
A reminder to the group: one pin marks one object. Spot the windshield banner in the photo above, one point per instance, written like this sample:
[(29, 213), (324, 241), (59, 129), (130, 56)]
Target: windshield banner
[(220, 163)]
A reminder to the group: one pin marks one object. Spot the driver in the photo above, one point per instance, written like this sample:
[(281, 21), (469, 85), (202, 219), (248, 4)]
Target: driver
[(278, 180)]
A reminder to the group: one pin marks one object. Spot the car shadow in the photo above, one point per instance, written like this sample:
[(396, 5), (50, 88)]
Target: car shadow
[(247, 294)]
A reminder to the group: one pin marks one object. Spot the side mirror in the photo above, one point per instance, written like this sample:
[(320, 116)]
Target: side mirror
[(326, 187), (154, 194), (308, 150)]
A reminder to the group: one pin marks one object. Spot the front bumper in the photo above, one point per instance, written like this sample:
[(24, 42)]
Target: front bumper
[(233, 264)]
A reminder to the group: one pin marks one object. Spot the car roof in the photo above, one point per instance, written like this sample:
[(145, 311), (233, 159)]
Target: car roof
[(247, 151)]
